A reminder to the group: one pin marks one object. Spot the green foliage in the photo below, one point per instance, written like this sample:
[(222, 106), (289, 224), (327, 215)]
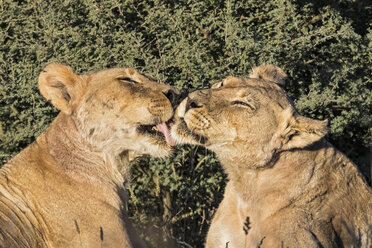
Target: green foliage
[(181, 190), (324, 46)]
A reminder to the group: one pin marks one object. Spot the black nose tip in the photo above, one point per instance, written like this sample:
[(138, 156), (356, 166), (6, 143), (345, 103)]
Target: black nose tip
[(172, 96), (192, 103)]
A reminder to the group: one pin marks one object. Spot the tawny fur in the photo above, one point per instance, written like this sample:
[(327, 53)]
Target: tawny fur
[(67, 188), (288, 187)]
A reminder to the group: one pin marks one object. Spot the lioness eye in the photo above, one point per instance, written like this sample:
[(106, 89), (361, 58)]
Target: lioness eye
[(127, 79), (245, 104), (218, 85)]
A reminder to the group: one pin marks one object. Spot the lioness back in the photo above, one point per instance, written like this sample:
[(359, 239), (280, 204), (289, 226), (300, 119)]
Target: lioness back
[(288, 186), (67, 188)]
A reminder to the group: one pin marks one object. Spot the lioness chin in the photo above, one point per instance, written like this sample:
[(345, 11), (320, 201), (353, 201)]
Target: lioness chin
[(67, 188), (288, 187)]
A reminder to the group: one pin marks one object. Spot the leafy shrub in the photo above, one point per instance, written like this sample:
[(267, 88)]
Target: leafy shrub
[(325, 47)]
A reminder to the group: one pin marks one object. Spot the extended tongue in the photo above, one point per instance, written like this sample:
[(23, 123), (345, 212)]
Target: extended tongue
[(163, 128)]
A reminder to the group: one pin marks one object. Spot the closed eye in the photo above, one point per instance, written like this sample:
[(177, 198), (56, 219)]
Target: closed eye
[(127, 79), (218, 85), (245, 104)]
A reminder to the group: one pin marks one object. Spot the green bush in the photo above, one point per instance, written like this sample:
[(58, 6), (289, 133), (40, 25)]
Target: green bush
[(324, 46)]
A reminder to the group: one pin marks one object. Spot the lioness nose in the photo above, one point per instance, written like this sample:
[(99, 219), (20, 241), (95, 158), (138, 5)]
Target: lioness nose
[(172, 96), (192, 103)]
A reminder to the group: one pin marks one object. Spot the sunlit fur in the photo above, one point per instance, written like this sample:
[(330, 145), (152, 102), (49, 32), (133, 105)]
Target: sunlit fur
[(67, 188), (288, 187)]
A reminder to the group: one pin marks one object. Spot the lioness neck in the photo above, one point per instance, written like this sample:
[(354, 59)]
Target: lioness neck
[(284, 180), (77, 158), (309, 182)]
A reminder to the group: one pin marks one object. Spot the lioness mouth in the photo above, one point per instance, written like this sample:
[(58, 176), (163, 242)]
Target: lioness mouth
[(199, 138), (160, 129)]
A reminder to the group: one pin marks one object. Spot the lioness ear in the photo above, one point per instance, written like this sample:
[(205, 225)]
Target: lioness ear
[(298, 131), (269, 73), (60, 85)]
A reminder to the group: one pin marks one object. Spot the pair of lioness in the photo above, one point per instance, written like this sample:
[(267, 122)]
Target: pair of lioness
[(66, 189)]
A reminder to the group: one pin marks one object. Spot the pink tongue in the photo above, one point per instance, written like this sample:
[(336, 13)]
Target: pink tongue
[(162, 127)]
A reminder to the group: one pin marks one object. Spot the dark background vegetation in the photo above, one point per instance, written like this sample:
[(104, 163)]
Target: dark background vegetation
[(324, 46)]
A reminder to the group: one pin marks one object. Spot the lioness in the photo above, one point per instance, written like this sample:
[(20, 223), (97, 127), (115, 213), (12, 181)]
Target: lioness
[(65, 189), (288, 187)]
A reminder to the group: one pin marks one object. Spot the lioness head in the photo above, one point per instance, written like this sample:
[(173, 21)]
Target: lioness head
[(113, 109), (245, 120)]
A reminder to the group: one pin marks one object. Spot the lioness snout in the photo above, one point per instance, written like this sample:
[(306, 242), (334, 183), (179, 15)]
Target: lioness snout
[(172, 96), (196, 100), (191, 103)]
